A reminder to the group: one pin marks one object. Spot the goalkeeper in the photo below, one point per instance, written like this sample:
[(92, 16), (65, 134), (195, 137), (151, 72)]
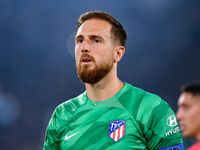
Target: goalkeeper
[(110, 114)]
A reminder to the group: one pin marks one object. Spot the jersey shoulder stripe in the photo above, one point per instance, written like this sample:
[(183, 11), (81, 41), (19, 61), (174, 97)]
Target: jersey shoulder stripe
[(150, 112), (137, 101)]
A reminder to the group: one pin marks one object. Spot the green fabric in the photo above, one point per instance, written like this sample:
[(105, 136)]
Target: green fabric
[(87, 122)]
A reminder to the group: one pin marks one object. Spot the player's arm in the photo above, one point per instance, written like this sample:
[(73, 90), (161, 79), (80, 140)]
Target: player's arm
[(161, 128), (51, 135)]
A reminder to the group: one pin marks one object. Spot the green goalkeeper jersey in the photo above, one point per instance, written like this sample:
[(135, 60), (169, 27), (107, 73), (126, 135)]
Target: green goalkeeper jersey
[(132, 119)]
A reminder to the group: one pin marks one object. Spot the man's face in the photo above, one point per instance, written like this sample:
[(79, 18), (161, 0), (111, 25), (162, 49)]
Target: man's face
[(94, 50), (188, 114)]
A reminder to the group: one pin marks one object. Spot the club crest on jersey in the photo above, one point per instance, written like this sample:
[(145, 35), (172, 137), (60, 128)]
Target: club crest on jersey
[(117, 129)]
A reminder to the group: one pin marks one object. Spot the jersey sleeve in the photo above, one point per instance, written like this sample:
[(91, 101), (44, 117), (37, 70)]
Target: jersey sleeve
[(161, 128), (59, 118), (51, 135)]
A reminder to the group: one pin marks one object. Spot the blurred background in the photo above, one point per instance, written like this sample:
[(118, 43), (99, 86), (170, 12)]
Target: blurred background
[(37, 65)]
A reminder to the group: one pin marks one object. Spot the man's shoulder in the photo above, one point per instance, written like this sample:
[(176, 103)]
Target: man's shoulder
[(141, 103), (138, 94), (150, 102), (71, 105)]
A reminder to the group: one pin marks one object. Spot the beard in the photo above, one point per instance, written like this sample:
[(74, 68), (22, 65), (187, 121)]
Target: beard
[(92, 76)]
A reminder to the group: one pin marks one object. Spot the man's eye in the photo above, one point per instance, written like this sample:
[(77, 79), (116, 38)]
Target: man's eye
[(80, 41), (96, 41), (186, 108)]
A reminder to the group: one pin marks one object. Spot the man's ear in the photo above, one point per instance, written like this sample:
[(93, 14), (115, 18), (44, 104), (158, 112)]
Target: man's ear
[(119, 52)]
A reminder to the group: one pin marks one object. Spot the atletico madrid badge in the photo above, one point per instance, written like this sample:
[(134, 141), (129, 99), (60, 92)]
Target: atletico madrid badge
[(117, 129)]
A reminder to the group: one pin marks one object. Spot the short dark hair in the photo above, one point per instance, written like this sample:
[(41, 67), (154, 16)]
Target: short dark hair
[(117, 31), (192, 87)]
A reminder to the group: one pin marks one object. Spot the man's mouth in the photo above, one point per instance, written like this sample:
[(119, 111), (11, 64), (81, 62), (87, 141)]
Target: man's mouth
[(86, 60)]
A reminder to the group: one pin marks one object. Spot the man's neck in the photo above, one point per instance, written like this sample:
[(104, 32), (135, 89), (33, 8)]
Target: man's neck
[(198, 137), (104, 89)]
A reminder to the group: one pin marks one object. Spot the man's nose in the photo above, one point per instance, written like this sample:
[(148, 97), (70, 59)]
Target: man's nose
[(178, 114), (85, 47)]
